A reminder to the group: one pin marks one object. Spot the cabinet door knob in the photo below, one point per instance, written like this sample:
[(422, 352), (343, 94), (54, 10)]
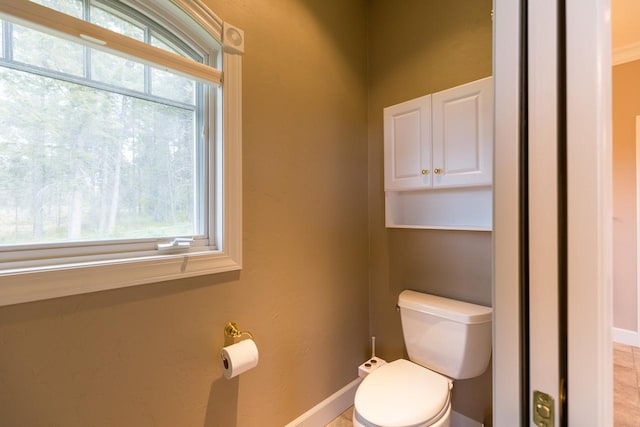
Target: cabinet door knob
[(425, 171), (437, 171)]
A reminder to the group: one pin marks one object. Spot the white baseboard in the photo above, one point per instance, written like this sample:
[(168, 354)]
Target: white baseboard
[(459, 420), (328, 409), (625, 336), (628, 53)]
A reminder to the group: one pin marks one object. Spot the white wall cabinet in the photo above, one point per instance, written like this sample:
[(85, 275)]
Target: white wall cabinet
[(408, 145), (438, 152), (463, 135)]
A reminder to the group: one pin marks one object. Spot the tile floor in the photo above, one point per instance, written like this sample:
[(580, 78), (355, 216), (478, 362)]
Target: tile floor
[(626, 385), (626, 389), (344, 420)]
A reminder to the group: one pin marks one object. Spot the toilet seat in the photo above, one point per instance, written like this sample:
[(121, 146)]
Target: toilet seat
[(403, 394)]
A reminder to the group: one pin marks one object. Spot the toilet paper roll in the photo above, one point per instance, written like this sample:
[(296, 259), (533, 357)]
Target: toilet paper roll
[(239, 358)]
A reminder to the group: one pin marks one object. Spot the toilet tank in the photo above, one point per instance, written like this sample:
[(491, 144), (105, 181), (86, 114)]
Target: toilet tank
[(448, 336)]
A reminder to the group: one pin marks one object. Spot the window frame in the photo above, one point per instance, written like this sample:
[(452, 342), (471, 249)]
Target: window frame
[(94, 272)]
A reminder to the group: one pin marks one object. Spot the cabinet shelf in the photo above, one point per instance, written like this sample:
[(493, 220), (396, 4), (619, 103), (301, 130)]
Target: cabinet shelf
[(465, 208)]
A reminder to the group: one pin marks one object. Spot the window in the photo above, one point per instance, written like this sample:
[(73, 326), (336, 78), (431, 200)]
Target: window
[(117, 164)]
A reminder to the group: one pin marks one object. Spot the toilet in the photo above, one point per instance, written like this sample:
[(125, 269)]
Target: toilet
[(446, 340)]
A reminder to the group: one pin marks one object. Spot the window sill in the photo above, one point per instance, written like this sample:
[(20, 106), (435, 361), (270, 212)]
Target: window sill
[(45, 283)]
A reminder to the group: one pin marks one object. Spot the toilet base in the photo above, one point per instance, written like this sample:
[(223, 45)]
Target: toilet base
[(444, 421)]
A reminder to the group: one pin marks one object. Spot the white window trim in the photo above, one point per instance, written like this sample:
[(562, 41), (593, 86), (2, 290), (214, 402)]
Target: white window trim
[(64, 280), (79, 31)]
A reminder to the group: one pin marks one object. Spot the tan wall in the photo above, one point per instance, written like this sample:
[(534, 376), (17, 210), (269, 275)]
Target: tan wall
[(147, 355), (626, 106), (419, 47)]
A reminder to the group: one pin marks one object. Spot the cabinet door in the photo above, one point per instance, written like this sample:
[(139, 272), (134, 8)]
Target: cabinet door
[(463, 135), (407, 145)]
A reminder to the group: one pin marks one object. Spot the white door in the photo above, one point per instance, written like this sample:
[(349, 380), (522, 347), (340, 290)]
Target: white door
[(552, 213), (407, 145), (463, 135), (546, 342), (590, 210)]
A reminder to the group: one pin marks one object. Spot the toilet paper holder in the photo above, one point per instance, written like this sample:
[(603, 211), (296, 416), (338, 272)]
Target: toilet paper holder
[(231, 330)]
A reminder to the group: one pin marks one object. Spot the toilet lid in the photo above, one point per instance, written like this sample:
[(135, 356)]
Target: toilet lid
[(402, 393)]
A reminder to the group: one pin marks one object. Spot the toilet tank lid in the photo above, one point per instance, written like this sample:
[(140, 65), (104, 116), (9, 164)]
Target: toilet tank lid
[(459, 311)]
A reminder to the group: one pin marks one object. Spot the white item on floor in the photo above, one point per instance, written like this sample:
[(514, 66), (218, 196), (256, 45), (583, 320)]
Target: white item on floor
[(370, 365)]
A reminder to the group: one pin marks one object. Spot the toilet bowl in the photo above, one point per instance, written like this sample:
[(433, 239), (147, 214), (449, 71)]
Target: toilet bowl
[(445, 340), (403, 394)]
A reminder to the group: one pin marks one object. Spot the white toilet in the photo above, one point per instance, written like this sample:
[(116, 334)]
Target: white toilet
[(446, 340)]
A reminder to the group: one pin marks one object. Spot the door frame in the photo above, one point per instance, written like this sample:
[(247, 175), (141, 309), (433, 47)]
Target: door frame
[(589, 205), (507, 381), (621, 335)]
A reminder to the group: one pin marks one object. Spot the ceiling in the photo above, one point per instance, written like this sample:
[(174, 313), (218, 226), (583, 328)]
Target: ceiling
[(625, 22)]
